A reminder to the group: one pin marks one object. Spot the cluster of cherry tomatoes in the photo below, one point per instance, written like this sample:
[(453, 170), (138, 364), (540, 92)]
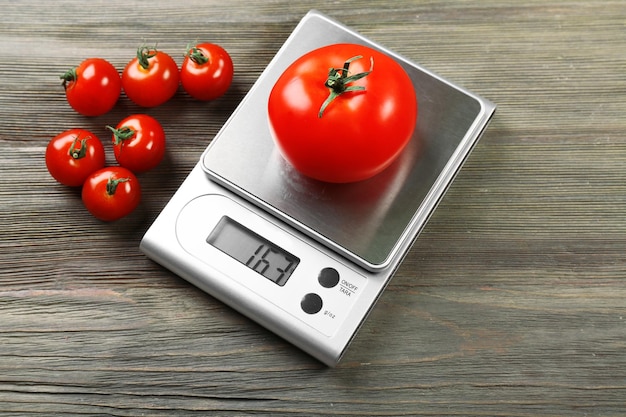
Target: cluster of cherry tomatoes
[(76, 157)]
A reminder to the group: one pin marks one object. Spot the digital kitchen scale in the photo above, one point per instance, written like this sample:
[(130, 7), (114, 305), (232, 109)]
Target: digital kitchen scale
[(308, 259)]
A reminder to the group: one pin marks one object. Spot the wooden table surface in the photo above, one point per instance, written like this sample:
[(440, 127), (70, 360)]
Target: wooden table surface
[(511, 303)]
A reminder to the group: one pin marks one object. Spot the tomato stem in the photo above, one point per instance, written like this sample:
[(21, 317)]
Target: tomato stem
[(121, 134), (78, 153), (112, 184), (196, 55), (144, 53), (338, 80), (69, 77)]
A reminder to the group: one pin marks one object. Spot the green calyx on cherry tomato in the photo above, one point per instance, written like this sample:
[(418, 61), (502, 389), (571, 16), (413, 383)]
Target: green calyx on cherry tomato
[(207, 71), (138, 142), (111, 193), (151, 78), (92, 88), (73, 155), (345, 124)]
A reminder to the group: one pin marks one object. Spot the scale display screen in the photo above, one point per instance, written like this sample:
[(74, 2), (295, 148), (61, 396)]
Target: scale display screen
[(253, 251)]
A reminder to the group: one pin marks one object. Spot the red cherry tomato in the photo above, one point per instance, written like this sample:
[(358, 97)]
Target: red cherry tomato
[(111, 193), (73, 155), (346, 124), (207, 71), (138, 142), (151, 78), (92, 88)]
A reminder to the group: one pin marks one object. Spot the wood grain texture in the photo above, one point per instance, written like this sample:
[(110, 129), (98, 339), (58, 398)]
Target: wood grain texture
[(511, 303)]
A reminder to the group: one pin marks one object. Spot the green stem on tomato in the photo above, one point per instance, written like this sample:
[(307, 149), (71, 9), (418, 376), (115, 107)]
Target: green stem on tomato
[(338, 80), (78, 153), (68, 77), (144, 53), (121, 134), (112, 184), (196, 55)]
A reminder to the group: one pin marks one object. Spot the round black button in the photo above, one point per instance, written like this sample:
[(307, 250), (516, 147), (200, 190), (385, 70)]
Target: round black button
[(311, 303), (328, 277)]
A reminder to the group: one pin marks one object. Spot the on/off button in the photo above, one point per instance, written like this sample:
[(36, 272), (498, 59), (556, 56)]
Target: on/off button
[(311, 303), (328, 277)]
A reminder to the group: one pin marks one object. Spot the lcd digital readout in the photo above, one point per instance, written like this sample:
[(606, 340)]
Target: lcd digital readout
[(253, 251)]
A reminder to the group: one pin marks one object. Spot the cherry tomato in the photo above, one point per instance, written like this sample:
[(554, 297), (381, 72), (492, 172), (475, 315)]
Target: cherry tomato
[(111, 193), (207, 71), (151, 78), (74, 154), (344, 124), (92, 88), (138, 142)]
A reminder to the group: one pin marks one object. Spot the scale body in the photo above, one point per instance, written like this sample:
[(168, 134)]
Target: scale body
[(305, 259)]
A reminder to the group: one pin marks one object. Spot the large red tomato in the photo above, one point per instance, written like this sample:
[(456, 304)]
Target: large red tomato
[(344, 124)]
